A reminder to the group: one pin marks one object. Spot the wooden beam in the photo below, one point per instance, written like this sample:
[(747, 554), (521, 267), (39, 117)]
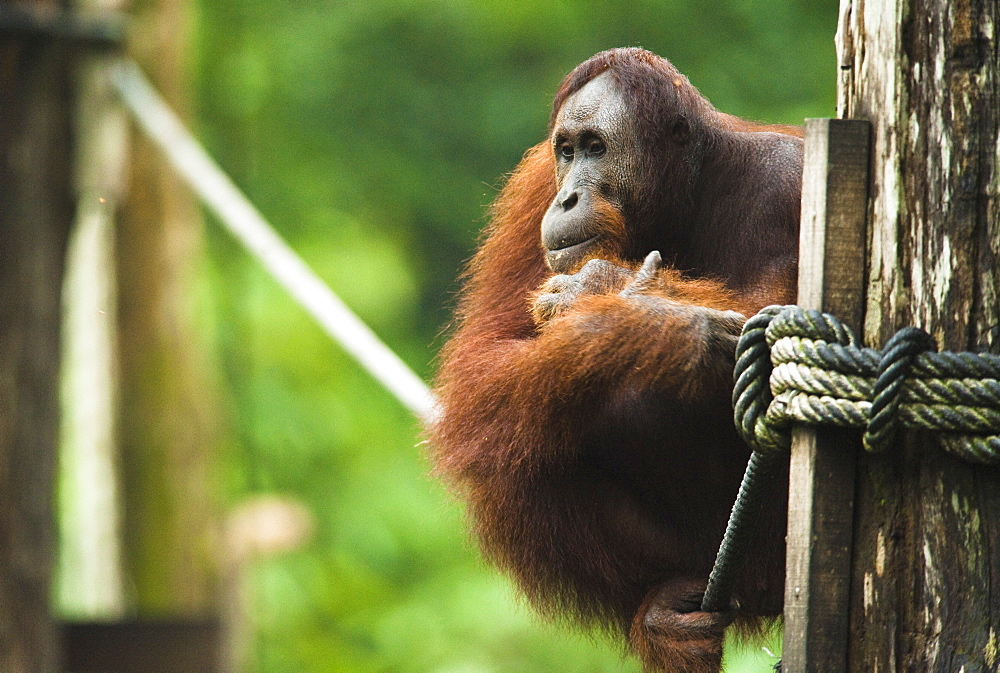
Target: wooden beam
[(142, 646), (822, 472)]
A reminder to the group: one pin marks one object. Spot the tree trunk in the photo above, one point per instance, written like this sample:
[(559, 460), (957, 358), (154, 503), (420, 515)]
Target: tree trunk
[(927, 532), (36, 209), (166, 425)]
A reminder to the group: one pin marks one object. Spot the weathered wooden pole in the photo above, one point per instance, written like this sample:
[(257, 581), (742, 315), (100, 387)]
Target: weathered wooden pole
[(927, 527), (36, 211), (89, 580), (167, 424)]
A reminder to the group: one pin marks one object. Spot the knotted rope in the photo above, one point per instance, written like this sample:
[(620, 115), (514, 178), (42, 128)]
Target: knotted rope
[(799, 366)]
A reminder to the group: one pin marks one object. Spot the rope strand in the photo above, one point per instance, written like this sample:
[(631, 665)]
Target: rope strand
[(800, 366), (817, 374)]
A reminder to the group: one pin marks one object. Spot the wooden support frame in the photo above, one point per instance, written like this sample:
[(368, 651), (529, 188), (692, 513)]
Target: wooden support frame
[(142, 646), (832, 260)]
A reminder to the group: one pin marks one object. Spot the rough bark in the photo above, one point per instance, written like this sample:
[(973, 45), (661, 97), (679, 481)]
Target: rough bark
[(925, 73), (36, 209)]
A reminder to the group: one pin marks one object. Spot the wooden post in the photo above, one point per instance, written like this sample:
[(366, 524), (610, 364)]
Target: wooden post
[(926, 560), (821, 490), (36, 210), (89, 581), (167, 422)]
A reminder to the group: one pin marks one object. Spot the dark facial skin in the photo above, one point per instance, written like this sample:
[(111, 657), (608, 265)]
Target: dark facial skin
[(596, 157)]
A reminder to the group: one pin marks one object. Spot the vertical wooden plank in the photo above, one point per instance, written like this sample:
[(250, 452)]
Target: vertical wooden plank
[(822, 471)]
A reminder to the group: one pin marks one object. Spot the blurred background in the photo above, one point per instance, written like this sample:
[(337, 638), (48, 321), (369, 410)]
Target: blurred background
[(252, 468)]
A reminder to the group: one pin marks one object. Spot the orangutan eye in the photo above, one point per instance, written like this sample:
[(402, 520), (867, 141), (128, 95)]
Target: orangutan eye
[(596, 149), (565, 151)]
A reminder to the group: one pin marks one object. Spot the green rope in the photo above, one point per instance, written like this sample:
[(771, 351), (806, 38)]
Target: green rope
[(736, 543), (798, 366)]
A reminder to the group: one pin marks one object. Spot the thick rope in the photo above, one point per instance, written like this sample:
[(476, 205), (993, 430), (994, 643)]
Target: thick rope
[(799, 366), (736, 543)]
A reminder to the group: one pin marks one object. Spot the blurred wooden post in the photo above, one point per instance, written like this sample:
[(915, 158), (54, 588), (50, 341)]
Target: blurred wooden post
[(821, 491), (926, 73), (168, 419), (36, 211), (89, 569)]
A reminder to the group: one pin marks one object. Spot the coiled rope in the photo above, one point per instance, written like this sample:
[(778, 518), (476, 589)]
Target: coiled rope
[(800, 366)]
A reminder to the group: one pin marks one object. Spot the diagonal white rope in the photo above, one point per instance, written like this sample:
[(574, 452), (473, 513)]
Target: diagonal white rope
[(245, 222)]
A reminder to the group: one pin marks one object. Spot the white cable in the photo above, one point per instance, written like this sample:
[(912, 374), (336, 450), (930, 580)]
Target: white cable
[(245, 222)]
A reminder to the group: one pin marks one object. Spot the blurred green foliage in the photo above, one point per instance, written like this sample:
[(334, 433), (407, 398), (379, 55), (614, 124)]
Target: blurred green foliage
[(373, 135)]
